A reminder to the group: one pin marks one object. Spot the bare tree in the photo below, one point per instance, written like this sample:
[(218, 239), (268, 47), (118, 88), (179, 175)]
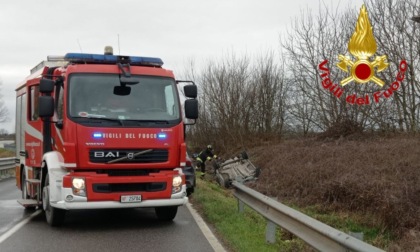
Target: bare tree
[(398, 37), (3, 132), (243, 98), (225, 98), (240, 101), (312, 39), (309, 41), (4, 113), (268, 78)]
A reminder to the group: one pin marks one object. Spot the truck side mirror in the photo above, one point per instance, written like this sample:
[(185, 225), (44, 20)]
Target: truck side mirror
[(46, 106), (191, 109), (46, 86), (190, 91)]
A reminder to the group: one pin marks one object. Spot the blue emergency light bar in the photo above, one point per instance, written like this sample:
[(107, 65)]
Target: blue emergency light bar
[(87, 58), (161, 135), (97, 135)]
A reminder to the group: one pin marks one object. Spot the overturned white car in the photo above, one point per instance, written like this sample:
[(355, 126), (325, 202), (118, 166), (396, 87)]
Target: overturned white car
[(238, 169)]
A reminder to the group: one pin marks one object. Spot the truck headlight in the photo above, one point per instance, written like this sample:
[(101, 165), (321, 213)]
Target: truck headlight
[(79, 186), (176, 184)]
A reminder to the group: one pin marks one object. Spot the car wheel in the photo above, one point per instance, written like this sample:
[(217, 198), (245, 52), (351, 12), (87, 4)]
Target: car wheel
[(223, 180)]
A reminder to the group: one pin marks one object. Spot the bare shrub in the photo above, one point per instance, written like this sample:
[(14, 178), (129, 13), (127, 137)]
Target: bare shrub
[(379, 176), (342, 128)]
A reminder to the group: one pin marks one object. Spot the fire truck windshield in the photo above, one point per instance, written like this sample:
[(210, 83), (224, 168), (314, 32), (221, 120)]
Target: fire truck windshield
[(153, 99)]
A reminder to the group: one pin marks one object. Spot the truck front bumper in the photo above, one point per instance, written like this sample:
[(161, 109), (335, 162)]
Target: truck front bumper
[(104, 191), (78, 202)]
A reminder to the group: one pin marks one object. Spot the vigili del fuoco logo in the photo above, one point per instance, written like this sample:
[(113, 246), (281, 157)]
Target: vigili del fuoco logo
[(362, 68)]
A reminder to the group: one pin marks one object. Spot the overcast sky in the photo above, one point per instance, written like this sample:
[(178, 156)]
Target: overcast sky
[(174, 30)]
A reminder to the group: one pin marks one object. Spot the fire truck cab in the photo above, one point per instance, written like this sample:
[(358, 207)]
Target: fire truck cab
[(100, 131)]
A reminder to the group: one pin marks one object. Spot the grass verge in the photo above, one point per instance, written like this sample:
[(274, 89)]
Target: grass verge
[(246, 231), (6, 153), (346, 222), (238, 231)]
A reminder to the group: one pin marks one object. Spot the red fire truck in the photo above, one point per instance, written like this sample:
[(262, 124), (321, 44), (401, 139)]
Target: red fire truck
[(100, 131)]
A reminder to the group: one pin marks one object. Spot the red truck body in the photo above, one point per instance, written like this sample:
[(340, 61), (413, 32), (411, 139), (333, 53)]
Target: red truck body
[(102, 131)]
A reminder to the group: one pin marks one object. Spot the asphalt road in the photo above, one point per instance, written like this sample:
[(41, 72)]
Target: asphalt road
[(95, 230)]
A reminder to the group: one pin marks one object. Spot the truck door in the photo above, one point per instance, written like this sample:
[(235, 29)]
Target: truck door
[(33, 129)]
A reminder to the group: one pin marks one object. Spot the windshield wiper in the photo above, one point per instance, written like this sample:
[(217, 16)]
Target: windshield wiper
[(148, 121), (101, 117), (155, 121), (109, 119), (120, 121)]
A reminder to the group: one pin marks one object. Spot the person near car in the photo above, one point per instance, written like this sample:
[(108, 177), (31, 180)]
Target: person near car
[(203, 156)]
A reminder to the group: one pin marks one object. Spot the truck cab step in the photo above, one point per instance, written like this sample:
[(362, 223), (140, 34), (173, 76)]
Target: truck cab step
[(33, 181), (29, 202)]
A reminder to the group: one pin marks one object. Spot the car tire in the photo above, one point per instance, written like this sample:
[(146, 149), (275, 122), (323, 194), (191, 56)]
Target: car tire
[(223, 180)]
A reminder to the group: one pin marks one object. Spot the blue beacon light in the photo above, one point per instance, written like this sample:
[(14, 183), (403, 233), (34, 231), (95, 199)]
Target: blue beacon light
[(97, 135), (161, 135)]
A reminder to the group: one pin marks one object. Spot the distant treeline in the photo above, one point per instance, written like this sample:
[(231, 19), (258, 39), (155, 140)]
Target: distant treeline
[(280, 93)]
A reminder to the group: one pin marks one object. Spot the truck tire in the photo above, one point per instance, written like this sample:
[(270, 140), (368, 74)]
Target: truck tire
[(55, 216), (190, 191), (166, 213)]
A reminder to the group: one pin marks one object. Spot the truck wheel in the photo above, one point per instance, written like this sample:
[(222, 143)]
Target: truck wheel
[(55, 216), (166, 213), (190, 191)]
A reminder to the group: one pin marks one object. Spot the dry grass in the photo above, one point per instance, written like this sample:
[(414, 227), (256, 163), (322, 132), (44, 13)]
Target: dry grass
[(375, 175), (6, 153)]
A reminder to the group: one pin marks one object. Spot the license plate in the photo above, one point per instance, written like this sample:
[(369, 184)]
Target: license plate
[(130, 198)]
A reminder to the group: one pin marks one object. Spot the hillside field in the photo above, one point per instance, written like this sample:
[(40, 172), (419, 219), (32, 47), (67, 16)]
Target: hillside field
[(375, 176)]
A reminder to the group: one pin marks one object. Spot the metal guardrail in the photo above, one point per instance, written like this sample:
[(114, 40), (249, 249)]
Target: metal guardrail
[(315, 233), (7, 167)]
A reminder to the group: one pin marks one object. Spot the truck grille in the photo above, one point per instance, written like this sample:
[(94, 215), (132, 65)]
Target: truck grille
[(131, 187), (104, 156), (126, 172)]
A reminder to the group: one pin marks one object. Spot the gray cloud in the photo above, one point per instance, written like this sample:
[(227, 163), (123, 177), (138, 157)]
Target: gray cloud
[(173, 30)]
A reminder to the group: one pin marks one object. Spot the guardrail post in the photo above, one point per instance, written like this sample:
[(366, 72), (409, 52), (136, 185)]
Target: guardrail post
[(270, 232), (357, 235), (241, 205)]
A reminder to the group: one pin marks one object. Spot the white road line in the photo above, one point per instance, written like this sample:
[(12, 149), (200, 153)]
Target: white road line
[(205, 229), (18, 226), (200, 222)]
